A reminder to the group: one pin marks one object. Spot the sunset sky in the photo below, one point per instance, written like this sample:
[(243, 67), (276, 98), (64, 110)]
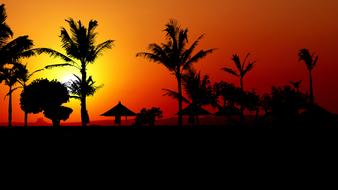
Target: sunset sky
[(271, 30)]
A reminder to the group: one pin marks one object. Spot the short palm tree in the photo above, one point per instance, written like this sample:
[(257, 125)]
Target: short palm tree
[(175, 55), (197, 88), (79, 45), (310, 61), (10, 75), (242, 69)]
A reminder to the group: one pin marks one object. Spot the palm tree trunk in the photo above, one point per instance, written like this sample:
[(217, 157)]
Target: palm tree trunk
[(26, 119), (10, 108), (311, 88), (180, 116), (242, 106), (84, 113)]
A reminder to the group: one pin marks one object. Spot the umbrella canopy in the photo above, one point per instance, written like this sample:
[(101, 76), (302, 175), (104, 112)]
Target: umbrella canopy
[(194, 110), (119, 110)]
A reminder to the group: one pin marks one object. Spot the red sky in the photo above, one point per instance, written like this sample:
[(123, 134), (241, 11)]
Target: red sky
[(273, 31)]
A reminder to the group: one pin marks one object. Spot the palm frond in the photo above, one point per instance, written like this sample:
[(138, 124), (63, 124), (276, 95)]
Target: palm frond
[(237, 60), (99, 48), (34, 72), (175, 95), (230, 71), (187, 53), (69, 44), (244, 62), (11, 91), (201, 54), (53, 53), (249, 68), (91, 34), (59, 65)]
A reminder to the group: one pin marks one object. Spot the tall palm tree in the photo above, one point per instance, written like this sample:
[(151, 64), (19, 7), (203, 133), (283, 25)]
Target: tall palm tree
[(242, 69), (11, 51), (79, 45), (10, 74), (310, 61), (175, 55)]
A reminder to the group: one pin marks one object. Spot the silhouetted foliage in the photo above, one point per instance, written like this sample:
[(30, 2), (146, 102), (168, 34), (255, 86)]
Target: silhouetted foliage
[(197, 88), (46, 96), (148, 116), (11, 51), (23, 79), (5, 30), (310, 61), (10, 74), (228, 98), (79, 45), (175, 55), (74, 87), (243, 67), (198, 91), (286, 104)]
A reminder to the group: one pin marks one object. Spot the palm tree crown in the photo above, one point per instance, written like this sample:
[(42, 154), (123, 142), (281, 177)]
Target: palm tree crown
[(310, 61), (5, 30)]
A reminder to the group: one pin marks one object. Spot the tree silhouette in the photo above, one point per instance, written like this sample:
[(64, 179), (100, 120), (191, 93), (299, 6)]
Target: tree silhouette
[(46, 96), (296, 84), (10, 74), (175, 55), (11, 51), (79, 45), (286, 103), (197, 88), (227, 98), (148, 116), (310, 61), (23, 79), (242, 69), (5, 30)]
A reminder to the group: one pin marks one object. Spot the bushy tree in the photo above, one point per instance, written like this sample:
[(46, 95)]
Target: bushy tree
[(46, 96), (148, 116)]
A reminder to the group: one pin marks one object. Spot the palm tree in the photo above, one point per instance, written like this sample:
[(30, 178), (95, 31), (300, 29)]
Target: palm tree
[(10, 74), (310, 61), (242, 69), (175, 55), (79, 45), (198, 89)]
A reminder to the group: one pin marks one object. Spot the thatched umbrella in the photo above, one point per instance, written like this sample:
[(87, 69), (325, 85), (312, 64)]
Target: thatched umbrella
[(118, 111), (194, 111)]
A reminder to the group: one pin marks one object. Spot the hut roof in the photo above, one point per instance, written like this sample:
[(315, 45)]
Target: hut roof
[(119, 110), (194, 110)]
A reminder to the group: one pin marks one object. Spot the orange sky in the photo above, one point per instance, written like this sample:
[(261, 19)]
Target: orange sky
[(273, 31)]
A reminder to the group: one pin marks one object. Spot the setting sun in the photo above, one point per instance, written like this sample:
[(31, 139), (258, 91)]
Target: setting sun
[(273, 32)]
